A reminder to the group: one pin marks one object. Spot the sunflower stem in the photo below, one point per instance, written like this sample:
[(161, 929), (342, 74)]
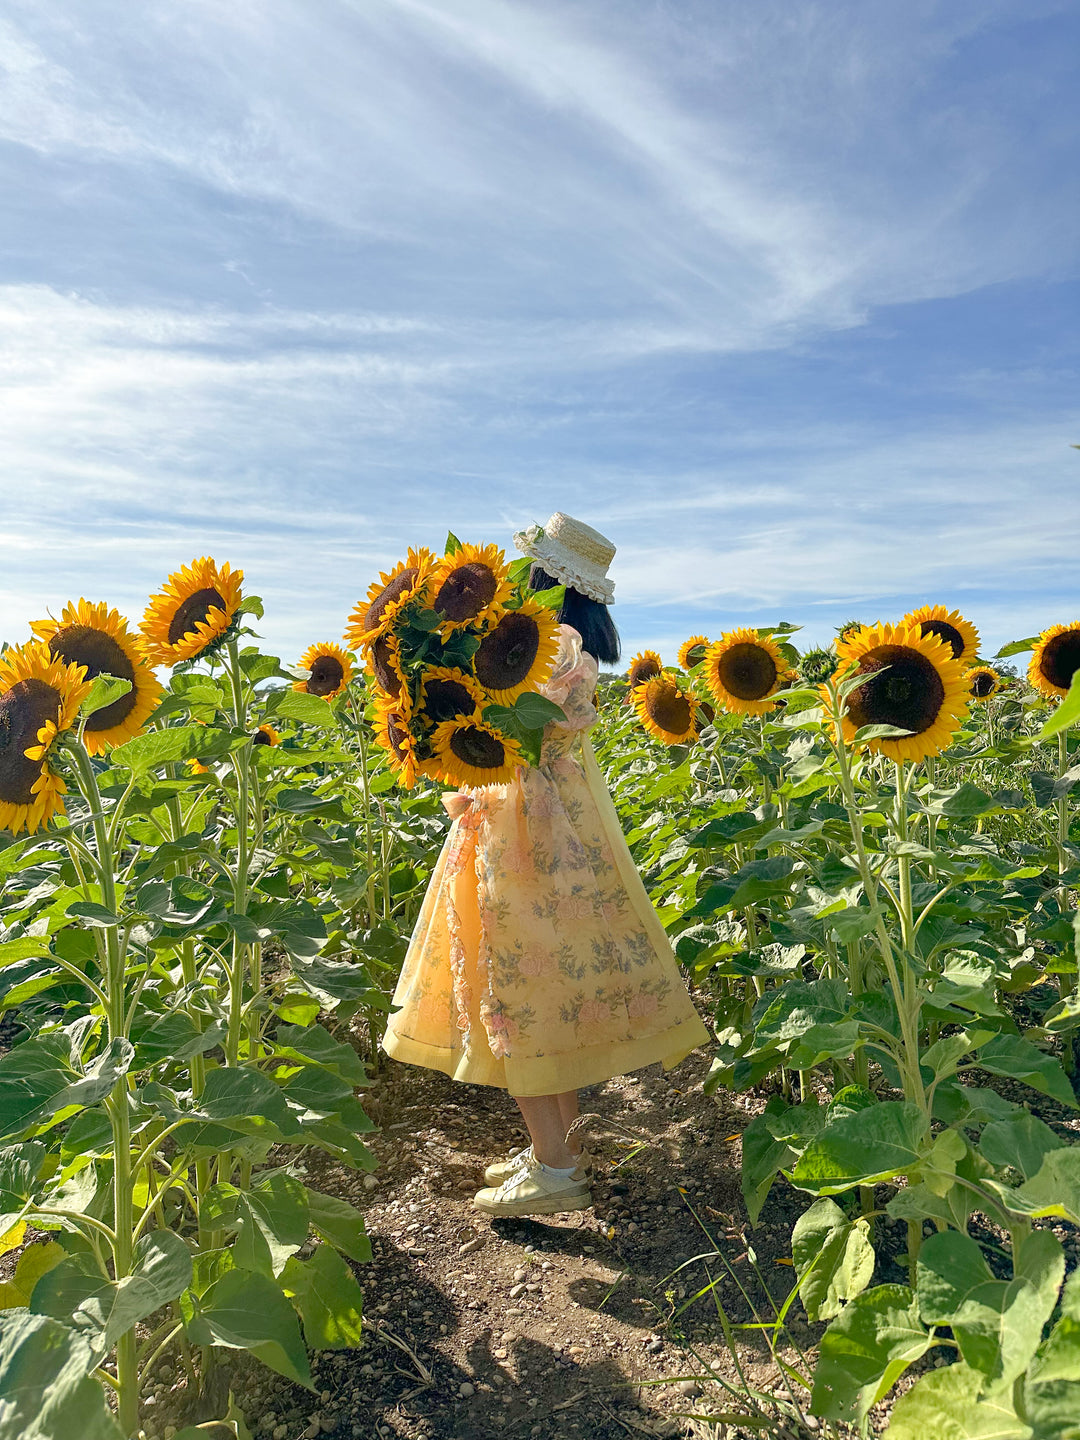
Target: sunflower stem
[(122, 1244), (1066, 983), (911, 1073)]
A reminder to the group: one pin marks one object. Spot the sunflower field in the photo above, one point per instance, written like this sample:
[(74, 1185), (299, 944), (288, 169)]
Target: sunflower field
[(867, 859)]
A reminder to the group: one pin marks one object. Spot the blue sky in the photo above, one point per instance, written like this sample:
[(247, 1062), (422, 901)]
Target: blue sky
[(780, 294)]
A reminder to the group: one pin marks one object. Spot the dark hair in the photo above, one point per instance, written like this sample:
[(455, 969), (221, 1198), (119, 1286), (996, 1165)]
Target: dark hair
[(589, 617)]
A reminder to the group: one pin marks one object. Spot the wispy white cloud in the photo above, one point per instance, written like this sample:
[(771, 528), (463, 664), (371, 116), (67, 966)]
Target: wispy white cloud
[(301, 286)]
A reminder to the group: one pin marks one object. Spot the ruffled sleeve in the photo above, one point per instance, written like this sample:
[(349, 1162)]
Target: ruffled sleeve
[(573, 683)]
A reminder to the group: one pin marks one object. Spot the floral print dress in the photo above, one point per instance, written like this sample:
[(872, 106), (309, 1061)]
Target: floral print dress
[(538, 963)]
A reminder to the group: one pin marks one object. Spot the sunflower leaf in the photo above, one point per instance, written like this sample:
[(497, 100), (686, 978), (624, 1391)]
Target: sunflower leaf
[(1067, 713), (879, 732), (453, 544), (1017, 647), (104, 690), (550, 599)]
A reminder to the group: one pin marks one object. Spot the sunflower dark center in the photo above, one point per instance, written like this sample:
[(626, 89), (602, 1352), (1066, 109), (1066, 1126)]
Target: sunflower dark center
[(326, 676), (192, 612), (102, 655), (983, 685), (909, 694), (261, 737), (643, 670), (23, 711), (389, 593), (507, 653), (1060, 660), (695, 655), (397, 734), (383, 666), (466, 591), (478, 747), (446, 699), (945, 632), (669, 709), (747, 671)]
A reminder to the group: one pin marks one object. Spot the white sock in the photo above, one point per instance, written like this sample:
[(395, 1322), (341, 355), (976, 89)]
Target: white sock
[(556, 1172)]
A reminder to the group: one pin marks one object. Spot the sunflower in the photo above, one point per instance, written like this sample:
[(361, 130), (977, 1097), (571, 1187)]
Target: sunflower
[(331, 670), (470, 587), (947, 625), (193, 611), (392, 733), (983, 682), (471, 752), (644, 666), (847, 629), (518, 652), (266, 735), (742, 671), (1056, 660), (692, 651), (447, 692), (98, 639), (666, 711), (386, 596), (922, 687), (384, 662), (40, 697)]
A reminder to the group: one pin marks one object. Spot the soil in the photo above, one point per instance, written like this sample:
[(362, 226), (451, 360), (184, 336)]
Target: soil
[(582, 1324)]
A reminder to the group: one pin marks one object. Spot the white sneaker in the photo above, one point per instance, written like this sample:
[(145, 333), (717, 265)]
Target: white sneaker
[(532, 1191), (500, 1170)]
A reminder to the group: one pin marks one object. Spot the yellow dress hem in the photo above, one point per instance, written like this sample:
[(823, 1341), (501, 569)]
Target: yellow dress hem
[(549, 1074)]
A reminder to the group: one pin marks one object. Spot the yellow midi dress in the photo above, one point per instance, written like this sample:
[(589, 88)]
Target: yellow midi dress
[(538, 963)]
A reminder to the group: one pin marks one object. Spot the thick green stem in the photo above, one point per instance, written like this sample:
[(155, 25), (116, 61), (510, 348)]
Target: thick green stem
[(127, 1370)]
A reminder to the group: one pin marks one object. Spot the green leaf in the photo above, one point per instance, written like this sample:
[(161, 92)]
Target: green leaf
[(453, 545), (534, 711), (1066, 714), (27, 947), (1022, 1141), (340, 1224), (1054, 1190), (762, 1157), (1017, 647), (45, 1389), (179, 743), (328, 1298), (551, 599), (863, 1149), (314, 1042), (77, 1292), (865, 1350), (35, 1261), (946, 1405), (105, 690), (967, 802), (93, 914), (1018, 1059), (299, 705), (833, 1257), (997, 1323), (878, 732), (247, 1311), (233, 1092)]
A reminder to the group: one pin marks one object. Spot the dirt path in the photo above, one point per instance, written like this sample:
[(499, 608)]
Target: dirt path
[(562, 1326)]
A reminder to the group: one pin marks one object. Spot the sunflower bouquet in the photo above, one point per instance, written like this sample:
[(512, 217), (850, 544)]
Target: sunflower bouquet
[(458, 647)]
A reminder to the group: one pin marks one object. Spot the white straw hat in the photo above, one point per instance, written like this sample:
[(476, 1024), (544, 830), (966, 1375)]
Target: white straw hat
[(573, 553)]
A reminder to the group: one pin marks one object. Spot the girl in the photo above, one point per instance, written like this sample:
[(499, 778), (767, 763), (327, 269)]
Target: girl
[(537, 963)]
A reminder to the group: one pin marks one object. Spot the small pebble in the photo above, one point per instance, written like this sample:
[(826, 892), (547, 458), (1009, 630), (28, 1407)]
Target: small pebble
[(688, 1387), (516, 1291), (521, 1274), (465, 1390), (471, 1245)]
